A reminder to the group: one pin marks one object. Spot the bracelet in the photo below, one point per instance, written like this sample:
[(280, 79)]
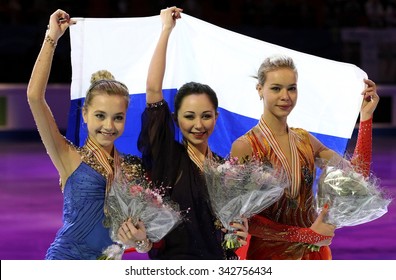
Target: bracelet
[(143, 246), (155, 105), (49, 40)]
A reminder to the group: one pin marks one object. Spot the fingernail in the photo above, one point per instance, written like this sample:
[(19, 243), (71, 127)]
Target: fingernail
[(326, 206)]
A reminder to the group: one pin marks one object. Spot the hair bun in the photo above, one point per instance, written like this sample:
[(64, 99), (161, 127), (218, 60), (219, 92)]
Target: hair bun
[(101, 75)]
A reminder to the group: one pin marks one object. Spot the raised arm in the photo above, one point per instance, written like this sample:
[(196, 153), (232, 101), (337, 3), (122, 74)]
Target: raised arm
[(157, 66), (54, 142), (361, 159), (362, 154)]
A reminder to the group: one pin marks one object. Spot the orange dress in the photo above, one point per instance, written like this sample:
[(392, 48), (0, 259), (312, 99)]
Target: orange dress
[(282, 231)]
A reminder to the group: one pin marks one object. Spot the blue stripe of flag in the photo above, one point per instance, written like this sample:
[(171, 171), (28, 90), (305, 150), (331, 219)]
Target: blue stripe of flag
[(229, 126)]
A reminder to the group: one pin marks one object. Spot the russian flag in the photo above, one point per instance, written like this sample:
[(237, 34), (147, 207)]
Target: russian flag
[(329, 91)]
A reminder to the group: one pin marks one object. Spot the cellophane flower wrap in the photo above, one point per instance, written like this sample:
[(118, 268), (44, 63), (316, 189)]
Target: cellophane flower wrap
[(352, 198), (139, 200), (239, 191)]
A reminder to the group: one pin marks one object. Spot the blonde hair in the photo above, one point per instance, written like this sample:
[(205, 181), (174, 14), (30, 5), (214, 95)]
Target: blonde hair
[(272, 63), (103, 81), (101, 75)]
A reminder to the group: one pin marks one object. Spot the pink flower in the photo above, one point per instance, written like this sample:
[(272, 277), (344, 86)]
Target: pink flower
[(154, 196), (136, 189)]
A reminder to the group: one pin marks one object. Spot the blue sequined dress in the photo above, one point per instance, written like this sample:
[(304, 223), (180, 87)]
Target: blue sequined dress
[(83, 235)]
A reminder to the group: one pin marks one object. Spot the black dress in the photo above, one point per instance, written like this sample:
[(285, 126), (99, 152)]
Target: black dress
[(167, 162)]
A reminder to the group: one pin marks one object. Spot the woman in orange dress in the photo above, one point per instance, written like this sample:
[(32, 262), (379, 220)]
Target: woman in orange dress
[(290, 228)]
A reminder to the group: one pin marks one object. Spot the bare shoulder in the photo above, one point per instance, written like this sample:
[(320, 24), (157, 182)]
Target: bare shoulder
[(241, 148)]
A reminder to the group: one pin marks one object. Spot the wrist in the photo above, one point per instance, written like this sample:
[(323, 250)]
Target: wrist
[(366, 120), (50, 40), (365, 117), (143, 246), (167, 28)]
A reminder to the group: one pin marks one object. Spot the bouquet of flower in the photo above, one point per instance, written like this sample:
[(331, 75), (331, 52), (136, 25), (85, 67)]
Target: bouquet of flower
[(239, 191), (353, 199), (139, 200)]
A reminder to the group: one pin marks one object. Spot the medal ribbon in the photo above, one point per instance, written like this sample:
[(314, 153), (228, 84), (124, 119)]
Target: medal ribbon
[(290, 170), (193, 156), (109, 163)]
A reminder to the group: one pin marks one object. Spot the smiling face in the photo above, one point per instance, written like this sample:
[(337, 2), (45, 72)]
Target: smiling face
[(196, 119), (105, 118), (279, 92)]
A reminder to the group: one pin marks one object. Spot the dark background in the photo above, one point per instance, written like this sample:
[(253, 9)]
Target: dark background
[(311, 26)]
